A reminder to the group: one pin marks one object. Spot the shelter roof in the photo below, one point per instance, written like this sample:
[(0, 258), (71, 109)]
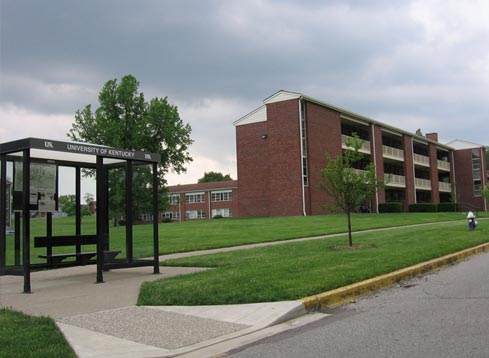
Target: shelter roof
[(74, 151)]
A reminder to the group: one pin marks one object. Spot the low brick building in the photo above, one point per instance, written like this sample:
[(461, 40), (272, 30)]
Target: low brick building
[(202, 201)]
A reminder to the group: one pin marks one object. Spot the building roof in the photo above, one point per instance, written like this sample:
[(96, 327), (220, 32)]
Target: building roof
[(215, 185), (463, 144), (260, 115)]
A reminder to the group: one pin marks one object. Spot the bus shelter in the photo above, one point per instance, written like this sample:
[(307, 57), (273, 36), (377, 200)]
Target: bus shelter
[(34, 166)]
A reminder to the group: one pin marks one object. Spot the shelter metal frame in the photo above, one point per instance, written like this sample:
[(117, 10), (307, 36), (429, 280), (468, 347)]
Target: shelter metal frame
[(79, 156)]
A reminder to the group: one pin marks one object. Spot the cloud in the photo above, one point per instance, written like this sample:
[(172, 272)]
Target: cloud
[(419, 63), (18, 123)]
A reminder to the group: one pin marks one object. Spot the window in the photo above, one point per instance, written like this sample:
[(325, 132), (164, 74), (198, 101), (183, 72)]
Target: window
[(174, 199), (225, 195), (476, 172), (173, 215), (305, 174), (225, 212), (146, 217), (194, 198), (195, 214)]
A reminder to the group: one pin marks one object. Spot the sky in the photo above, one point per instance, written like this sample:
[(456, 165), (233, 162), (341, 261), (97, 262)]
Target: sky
[(410, 64)]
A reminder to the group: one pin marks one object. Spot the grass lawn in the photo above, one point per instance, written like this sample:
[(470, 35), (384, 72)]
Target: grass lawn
[(295, 270), (208, 234), (24, 336)]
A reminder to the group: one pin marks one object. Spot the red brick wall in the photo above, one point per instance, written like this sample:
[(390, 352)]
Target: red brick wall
[(323, 135), (464, 181), (409, 171), (376, 136), (284, 158), (253, 166), (435, 192)]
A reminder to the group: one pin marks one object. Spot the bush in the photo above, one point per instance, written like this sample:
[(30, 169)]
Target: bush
[(166, 220), (217, 217), (448, 207), (423, 208), (390, 208)]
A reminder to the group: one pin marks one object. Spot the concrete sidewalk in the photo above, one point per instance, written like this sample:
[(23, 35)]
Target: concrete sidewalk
[(101, 320)]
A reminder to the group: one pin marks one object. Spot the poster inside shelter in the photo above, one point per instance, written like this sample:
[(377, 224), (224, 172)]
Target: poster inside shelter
[(42, 184)]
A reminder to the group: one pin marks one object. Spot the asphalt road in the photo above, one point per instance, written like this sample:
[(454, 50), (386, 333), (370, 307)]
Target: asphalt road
[(443, 314)]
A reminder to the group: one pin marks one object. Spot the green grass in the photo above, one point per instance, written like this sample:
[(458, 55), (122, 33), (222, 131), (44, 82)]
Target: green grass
[(24, 336), (209, 234), (295, 270)]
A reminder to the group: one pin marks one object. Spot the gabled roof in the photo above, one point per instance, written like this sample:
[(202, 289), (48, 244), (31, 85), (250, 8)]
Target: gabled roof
[(260, 115), (215, 185), (458, 144)]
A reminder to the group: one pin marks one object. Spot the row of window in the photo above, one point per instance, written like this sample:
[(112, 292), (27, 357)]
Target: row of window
[(225, 195), (198, 214)]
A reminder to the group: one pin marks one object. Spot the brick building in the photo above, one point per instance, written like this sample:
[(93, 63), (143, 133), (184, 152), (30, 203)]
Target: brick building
[(202, 201), (281, 150)]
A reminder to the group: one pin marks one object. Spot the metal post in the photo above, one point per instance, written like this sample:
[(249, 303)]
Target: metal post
[(105, 189), (26, 244), (129, 216), (49, 233), (155, 219), (101, 219), (78, 217), (17, 239), (3, 212)]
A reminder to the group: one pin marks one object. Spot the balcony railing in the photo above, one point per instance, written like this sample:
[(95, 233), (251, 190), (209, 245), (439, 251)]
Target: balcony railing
[(421, 160), (395, 180), (393, 153), (443, 165), (365, 148), (422, 183), (446, 187)]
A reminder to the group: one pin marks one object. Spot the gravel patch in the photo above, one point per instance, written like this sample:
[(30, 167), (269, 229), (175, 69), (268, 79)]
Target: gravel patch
[(153, 327)]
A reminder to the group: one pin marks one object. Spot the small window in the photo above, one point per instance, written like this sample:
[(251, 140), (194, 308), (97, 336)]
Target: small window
[(194, 198), (222, 196), (224, 212), (195, 214)]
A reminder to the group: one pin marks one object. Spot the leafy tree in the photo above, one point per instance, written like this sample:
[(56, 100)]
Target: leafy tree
[(485, 193), (88, 198), (125, 120), (349, 187), (68, 203), (419, 132), (214, 176)]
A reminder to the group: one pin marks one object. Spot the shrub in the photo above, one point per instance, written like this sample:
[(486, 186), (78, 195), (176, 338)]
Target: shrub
[(445, 207), (423, 208), (166, 220), (217, 217), (390, 208)]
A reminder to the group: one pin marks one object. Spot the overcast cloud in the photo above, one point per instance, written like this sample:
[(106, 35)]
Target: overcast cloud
[(412, 64)]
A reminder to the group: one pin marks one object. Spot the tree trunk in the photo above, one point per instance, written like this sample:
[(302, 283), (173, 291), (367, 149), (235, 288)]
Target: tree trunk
[(348, 214)]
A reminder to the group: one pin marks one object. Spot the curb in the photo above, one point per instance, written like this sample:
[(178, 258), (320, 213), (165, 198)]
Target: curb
[(348, 293)]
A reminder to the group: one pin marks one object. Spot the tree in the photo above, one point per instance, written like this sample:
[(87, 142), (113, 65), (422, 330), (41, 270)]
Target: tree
[(419, 132), (214, 176), (349, 187), (485, 193), (68, 204), (125, 120), (88, 198)]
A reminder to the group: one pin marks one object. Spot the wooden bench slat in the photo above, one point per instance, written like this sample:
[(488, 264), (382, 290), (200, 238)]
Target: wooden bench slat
[(65, 240)]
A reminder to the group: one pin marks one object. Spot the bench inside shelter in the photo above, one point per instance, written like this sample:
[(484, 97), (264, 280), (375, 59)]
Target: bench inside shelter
[(82, 258)]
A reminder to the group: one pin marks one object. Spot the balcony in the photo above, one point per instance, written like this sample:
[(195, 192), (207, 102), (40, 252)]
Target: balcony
[(393, 180), (393, 153), (443, 165), (421, 160), (365, 148), (423, 184), (445, 187)]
